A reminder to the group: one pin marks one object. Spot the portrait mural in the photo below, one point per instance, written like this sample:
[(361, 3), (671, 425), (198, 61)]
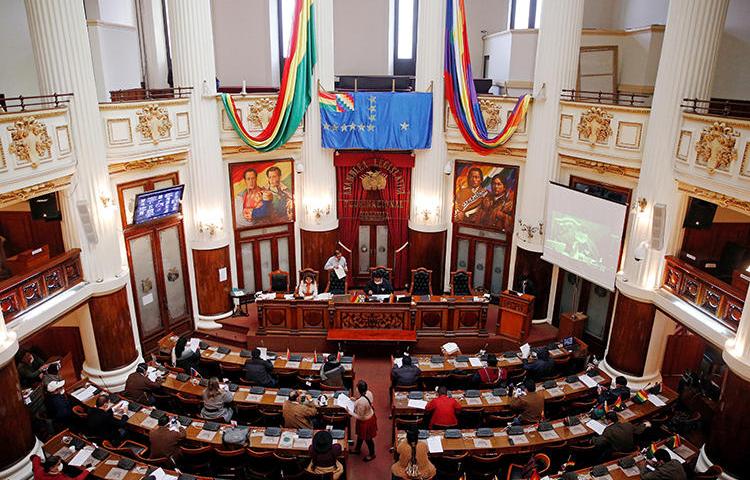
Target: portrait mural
[(485, 195), (262, 193)]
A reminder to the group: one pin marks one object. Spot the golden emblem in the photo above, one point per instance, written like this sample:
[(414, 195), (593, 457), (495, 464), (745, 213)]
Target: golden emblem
[(259, 112), (373, 180), (715, 148), (491, 112), (153, 122), (30, 140), (594, 126)]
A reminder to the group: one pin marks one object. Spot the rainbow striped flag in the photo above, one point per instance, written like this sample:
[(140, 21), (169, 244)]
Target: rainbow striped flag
[(651, 450), (295, 92), (675, 441), (618, 406), (336, 102), (599, 410), (641, 396), (460, 92)]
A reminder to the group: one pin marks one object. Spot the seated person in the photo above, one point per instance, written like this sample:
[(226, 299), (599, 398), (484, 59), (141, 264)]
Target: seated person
[(259, 371), (618, 436), (139, 388), (620, 390), (413, 458), (215, 401), (324, 456), (378, 285), (491, 374), (59, 408), (52, 469), (298, 411), (307, 286), (30, 369), (443, 409), (529, 405), (102, 423), (542, 367), (332, 372), (165, 441), (185, 358), (666, 468), (406, 374), (52, 374)]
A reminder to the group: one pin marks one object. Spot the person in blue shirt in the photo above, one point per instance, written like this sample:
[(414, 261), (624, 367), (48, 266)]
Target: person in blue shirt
[(542, 367)]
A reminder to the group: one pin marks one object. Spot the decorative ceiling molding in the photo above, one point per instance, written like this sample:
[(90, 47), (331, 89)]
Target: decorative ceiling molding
[(147, 163), (721, 199), (26, 193), (601, 168)]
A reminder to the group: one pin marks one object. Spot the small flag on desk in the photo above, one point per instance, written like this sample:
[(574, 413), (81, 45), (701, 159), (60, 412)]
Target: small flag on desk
[(287, 354), (618, 406), (338, 356), (641, 396), (651, 450), (194, 373), (675, 441), (606, 407), (315, 356)]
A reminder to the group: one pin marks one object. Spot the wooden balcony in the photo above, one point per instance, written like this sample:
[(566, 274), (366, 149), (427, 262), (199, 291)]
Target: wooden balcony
[(710, 295), (20, 293)]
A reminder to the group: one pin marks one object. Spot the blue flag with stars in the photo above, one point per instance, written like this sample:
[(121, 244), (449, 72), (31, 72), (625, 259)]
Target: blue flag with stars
[(377, 121)]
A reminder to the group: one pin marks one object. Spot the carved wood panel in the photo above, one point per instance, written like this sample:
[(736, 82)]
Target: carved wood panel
[(372, 319)]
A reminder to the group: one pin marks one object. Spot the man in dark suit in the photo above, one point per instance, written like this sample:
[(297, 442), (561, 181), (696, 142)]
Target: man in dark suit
[(618, 436), (667, 468), (406, 374), (620, 390), (59, 409), (165, 441), (542, 367), (259, 371), (378, 285), (139, 388), (102, 423)]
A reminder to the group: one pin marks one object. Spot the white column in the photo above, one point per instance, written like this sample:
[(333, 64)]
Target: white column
[(154, 45), (737, 350), (318, 205), (207, 188), (686, 69), (555, 68), (429, 212)]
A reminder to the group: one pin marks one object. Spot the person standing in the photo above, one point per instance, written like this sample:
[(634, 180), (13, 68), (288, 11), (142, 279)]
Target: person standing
[(413, 462), (367, 422), (335, 261)]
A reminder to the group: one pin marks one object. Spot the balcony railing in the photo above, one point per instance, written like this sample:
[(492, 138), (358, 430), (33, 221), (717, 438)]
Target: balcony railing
[(710, 295), (722, 107), (375, 83), (20, 293), (631, 99), (145, 94), (38, 102)]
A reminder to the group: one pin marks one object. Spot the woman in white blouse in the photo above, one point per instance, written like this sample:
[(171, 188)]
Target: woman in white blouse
[(307, 287)]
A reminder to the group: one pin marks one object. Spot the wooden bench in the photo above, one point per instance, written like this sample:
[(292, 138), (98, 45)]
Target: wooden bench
[(371, 335)]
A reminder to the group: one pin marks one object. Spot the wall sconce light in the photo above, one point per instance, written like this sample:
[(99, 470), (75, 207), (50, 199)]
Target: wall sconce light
[(299, 167), (212, 228), (106, 200), (640, 205), (529, 230), (319, 211), (427, 213)]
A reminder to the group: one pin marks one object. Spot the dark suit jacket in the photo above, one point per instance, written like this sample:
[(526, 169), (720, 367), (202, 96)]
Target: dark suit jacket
[(103, 424), (671, 470), (539, 368), (619, 437), (165, 442), (59, 408), (406, 375), (611, 395), (259, 371), (138, 387), (382, 289)]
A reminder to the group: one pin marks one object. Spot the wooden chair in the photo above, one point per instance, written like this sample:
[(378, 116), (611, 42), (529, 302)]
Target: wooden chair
[(336, 285), (483, 466), (196, 459), (230, 371), (308, 271), (163, 462), (450, 466), (499, 419), (406, 423), (421, 282), (338, 421), (460, 380), (291, 464), (260, 465), (270, 417), (228, 462), (279, 280), (461, 283), (432, 381), (190, 406), (387, 272), (247, 413), (470, 417)]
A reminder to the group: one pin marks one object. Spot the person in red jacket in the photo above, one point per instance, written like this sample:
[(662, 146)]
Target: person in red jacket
[(52, 469), (443, 410)]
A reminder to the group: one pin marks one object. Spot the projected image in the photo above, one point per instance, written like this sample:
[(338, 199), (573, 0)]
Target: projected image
[(485, 195), (577, 239), (262, 193)]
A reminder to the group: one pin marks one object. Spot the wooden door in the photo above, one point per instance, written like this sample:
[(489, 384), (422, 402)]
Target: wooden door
[(373, 250), (261, 251), (684, 351), (597, 69), (483, 253)]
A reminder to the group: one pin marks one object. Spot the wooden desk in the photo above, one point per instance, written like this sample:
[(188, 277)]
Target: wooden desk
[(434, 315), (489, 403), (535, 440), (56, 446), (233, 358)]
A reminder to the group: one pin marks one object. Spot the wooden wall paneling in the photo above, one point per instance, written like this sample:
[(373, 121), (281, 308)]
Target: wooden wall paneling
[(58, 341), (312, 318), (540, 273), (730, 430), (428, 250), (213, 295), (22, 233), (684, 351), (48, 233), (709, 243), (631, 334), (432, 319), (110, 318), (317, 247), (17, 437)]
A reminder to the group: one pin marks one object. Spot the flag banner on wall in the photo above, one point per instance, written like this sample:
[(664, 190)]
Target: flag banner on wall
[(376, 120), (295, 92), (459, 87)]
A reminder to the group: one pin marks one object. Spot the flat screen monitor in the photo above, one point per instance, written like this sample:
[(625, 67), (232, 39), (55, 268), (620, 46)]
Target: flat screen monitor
[(157, 204), (583, 234)]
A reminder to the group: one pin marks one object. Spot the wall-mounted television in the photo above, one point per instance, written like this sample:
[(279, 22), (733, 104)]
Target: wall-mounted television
[(157, 204)]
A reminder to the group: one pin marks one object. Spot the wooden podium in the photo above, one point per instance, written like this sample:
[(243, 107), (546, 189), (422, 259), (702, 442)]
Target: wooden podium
[(515, 316)]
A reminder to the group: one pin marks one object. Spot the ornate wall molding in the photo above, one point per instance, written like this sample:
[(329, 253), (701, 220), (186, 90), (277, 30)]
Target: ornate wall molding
[(153, 122), (23, 194), (30, 141), (259, 112), (595, 126), (715, 148), (601, 168), (147, 163), (726, 201)]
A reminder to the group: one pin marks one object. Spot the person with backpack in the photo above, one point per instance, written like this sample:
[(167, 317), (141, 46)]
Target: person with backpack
[(413, 462)]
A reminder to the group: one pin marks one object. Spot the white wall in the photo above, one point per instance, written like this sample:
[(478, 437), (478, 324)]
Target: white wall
[(242, 42), (488, 15), (732, 77), (600, 13), (640, 13), (18, 74), (360, 37)]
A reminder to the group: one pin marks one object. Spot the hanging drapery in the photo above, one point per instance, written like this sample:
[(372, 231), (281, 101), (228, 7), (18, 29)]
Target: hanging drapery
[(459, 87), (295, 93)]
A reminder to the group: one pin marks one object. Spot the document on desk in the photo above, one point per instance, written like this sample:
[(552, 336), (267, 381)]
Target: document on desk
[(149, 422), (84, 394), (674, 455), (206, 435), (420, 404), (655, 400), (81, 456), (588, 381), (435, 444), (577, 429), (116, 474), (596, 426), (549, 435), (482, 443), (339, 271), (475, 362), (152, 374)]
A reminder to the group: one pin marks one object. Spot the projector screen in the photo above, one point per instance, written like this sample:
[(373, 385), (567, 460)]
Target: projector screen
[(583, 234)]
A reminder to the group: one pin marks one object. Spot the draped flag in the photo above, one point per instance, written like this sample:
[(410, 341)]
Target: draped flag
[(376, 120), (295, 92), (460, 92)]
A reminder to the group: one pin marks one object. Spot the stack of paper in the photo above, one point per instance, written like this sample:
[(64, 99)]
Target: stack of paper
[(345, 402), (420, 404), (525, 350), (596, 426), (84, 394), (435, 444), (588, 381), (81, 457), (475, 362)]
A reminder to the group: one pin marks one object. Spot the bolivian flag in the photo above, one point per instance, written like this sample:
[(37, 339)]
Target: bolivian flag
[(295, 92), (641, 396), (651, 450), (618, 406), (675, 441)]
